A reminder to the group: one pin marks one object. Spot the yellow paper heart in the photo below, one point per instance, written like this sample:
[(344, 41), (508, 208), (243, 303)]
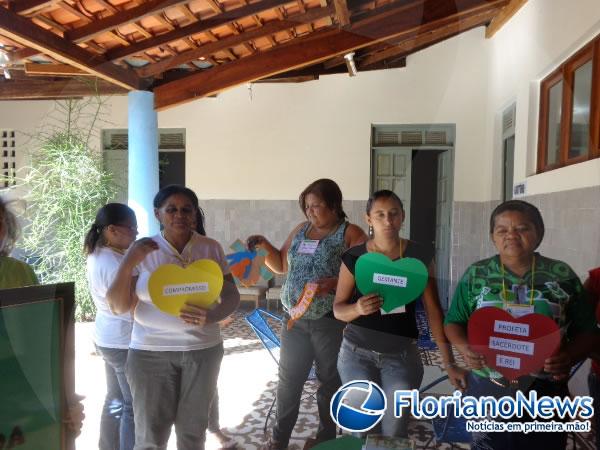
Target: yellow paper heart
[(172, 286)]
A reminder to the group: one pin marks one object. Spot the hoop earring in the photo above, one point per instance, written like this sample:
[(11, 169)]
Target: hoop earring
[(371, 233)]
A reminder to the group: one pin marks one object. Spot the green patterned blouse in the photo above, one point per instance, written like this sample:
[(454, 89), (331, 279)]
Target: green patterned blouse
[(306, 268), (557, 293)]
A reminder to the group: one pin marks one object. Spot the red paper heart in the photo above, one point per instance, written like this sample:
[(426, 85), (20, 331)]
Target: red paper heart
[(513, 346)]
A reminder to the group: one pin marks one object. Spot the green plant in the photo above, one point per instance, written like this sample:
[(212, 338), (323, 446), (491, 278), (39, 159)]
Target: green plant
[(66, 186)]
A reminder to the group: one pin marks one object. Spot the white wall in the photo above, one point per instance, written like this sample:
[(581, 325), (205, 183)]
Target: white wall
[(273, 143), (268, 143), (530, 46)]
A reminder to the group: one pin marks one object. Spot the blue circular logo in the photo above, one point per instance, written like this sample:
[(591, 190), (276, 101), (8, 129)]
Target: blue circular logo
[(358, 406)]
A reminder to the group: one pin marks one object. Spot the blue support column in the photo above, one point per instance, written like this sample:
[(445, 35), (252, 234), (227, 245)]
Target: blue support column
[(143, 159)]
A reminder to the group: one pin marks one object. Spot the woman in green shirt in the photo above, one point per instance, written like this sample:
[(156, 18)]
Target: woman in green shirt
[(522, 281), (15, 274)]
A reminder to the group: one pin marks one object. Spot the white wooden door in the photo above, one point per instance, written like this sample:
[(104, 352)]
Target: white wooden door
[(392, 170), (442, 228)]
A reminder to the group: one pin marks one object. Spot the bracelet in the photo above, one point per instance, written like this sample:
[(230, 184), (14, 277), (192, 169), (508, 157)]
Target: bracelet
[(452, 364)]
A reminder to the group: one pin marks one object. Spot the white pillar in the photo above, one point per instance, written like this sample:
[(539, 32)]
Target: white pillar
[(143, 159)]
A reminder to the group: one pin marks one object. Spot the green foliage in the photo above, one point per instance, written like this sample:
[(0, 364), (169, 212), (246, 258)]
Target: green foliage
[(67, 185)]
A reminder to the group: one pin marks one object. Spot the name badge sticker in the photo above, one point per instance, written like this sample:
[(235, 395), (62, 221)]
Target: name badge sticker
[(519, 310), (308, 247)]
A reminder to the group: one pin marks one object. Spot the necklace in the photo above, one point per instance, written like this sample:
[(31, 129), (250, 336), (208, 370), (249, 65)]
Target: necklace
[(185, 261), (505, 295), (378, 250), (115, 249), (329, 233)]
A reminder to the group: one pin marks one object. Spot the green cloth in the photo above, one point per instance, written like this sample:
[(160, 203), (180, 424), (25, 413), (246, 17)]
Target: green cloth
[(343, 443), (15, 273), (557, 293)]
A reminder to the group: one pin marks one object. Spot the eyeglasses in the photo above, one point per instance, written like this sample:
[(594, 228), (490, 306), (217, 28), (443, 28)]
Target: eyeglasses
[(132, 228)]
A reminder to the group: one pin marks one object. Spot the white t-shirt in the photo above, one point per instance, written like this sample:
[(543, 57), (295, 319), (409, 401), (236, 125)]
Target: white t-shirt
[(158, 331), (111, 330)]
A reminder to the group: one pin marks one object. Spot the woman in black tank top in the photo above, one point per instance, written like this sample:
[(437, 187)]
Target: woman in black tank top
[(382, 348)]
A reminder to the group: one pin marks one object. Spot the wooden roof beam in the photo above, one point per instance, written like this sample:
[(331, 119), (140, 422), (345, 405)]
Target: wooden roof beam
[(201, 26), (120, 18), (504, 16), (231, 41), (428, 37), (26, 7), (40, 88), (54, 70), (25, 33), (341, 12), (390, 21)]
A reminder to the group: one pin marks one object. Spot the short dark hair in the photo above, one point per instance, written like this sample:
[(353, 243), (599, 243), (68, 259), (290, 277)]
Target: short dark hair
[(328, 191), (11, 228), (173, 189), (527, 209), (109, 214), (383, 193)]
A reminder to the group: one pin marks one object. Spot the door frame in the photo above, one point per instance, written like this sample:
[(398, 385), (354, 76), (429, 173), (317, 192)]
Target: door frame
[(450, 130)]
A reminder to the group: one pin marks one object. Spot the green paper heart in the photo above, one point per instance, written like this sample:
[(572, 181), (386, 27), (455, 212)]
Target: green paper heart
[(397, 282)]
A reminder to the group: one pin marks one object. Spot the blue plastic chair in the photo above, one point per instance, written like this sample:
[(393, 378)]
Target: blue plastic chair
[(451, 429), (257, 320), (425, 341)]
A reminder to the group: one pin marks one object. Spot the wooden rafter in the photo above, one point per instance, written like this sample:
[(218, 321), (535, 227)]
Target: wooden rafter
[(55, 70), (120, 18), (23, 31), (315, 71), (22, 54), (504, 16), (233, 26), (428, 37), (196, 27), (26, 7), (341, 12), (231, 41), (385, 23), (40, 88)]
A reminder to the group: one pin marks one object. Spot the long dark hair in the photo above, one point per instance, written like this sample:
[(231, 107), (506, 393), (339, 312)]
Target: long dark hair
[(9, 222), (161, 197), (328, 191), (109, 214)]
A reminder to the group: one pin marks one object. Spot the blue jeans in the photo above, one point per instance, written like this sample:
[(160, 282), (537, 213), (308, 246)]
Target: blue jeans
[(479, 386), (172, 388), (391, 371), (117, 431), (594, 386)]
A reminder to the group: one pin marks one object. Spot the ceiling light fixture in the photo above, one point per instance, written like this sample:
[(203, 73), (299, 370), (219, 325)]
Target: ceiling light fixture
[(4, 62), (351, 66)]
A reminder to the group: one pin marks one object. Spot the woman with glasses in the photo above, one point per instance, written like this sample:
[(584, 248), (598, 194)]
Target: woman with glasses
[(522, 281), (173, 360), (111, 234)]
